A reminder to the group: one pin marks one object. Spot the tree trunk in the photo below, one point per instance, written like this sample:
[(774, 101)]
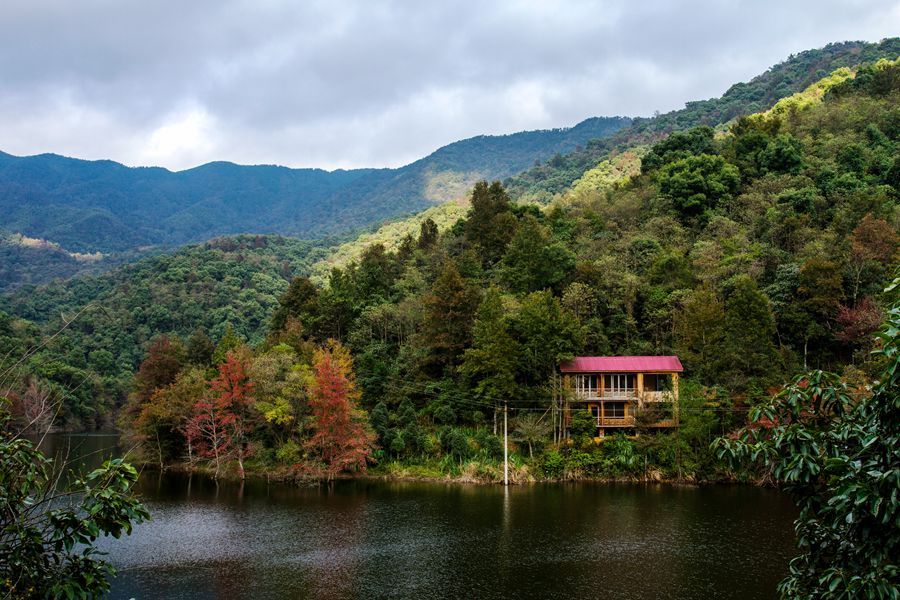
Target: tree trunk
[(159, 451)]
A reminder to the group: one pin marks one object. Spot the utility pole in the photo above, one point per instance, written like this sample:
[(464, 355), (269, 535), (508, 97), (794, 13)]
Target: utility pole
[(505, 445)]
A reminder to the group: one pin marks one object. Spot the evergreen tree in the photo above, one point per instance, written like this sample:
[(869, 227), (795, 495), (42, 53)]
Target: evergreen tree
[(381, 422), (428, 234), (749, 327), (301, 301), (490, 224), (200, 348), (700, 329), (532, 262), (492, 361), (698, 183), (447, 324), (838, 455), (548, 334), (230, 341)]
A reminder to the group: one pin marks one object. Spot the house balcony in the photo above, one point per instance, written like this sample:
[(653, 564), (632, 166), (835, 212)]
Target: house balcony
[(630, 421), (623, 395), (596, 395), (624, 421)]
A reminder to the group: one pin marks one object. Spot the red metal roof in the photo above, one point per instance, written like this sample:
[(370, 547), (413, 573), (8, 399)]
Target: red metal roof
[(622, 364)]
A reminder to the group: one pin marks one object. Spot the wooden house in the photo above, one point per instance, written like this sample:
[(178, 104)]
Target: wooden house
[(623, 393)]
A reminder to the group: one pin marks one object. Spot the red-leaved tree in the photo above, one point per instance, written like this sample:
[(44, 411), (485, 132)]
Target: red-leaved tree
[(220, 426), (341, 438), (859, 322)]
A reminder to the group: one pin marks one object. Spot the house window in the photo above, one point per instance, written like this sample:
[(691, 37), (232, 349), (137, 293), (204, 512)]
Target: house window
[(586, 385), (619, 384), (595, 412), (657, 383), (614, 410)]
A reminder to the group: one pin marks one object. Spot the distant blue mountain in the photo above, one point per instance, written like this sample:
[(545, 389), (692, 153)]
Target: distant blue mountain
[(89, 206)]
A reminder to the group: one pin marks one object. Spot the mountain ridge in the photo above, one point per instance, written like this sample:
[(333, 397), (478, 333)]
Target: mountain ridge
[(146, 205)]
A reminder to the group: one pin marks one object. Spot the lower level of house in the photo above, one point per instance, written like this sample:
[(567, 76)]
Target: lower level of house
[(612, 416)]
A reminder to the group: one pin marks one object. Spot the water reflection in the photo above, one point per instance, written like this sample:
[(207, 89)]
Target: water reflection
[(417, 540)]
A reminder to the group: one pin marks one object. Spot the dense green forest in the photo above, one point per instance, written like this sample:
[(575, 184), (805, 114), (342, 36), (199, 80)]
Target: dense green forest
[(30, 261), (102, 206), (89, 206), (556, 175), (753, 254), (105, 322)]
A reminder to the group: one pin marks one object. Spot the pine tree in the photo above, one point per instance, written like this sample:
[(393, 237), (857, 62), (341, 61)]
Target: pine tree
[(490, 224), (492, 360), (447, 327), (230, 341), (301, 301), (200, 348), (341, 438), (699, 327), (532, 262), (749, 327)]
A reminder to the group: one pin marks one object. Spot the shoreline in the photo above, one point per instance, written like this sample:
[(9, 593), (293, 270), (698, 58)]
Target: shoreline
[(287, 477)]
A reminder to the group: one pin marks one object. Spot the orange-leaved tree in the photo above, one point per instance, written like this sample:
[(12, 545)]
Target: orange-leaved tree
[(221, 424), (341, 437)]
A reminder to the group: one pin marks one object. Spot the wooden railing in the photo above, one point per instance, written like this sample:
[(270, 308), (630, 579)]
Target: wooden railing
[(626, 421), (595, 395), (626, 395)]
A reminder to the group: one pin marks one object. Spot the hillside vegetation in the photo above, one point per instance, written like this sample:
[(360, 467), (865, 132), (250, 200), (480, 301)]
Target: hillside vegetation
[(89, 206), (392, 236), (31, 261), (542, 182), (227, 287), (754, 254)]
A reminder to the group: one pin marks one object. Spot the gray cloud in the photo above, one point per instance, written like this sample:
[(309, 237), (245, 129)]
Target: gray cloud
[(340, 84)]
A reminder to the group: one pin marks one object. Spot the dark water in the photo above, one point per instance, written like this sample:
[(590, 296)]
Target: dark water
[(417, 540)]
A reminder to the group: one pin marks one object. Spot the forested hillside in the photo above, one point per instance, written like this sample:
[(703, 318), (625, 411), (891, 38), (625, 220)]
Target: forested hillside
[(753, 255), (224, 286), (793, 75), (89, 206), (25, 261)]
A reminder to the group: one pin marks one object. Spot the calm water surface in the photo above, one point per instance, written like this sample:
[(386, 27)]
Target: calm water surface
[(417, 540)]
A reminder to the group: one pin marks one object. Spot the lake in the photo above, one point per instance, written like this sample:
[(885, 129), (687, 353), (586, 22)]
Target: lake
[(369, 539)]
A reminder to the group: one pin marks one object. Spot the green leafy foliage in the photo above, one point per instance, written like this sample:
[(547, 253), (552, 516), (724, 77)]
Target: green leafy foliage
[(751, 253), (698, 183), (794, 75), (48, 528), (226, 288), (836, 450)]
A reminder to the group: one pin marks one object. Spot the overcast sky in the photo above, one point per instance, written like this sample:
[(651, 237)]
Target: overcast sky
[(339, 84)]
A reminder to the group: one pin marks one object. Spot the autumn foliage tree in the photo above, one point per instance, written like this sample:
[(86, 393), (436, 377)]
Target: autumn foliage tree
[(341, 438), (221, 424), (160, 424)]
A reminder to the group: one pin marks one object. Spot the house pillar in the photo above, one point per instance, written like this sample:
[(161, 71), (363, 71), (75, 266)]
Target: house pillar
[(675, 396), (640, 389)]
